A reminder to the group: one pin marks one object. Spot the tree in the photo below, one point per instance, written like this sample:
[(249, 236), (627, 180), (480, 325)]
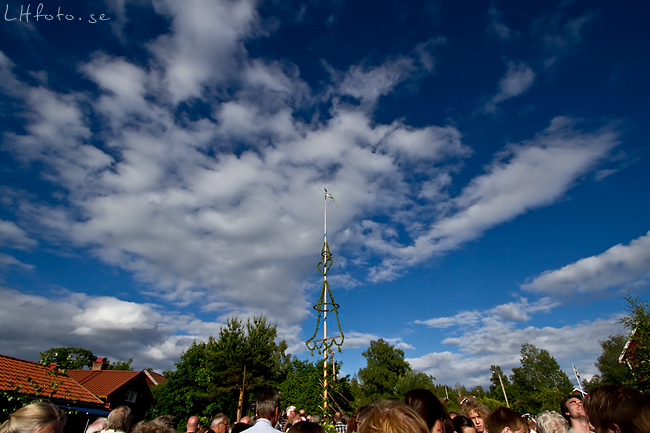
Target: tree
[(385, 364), (68, 358), (411, 380), (210, 375), (120, 365), (612, 370), (539, 384), (496, 390), (303, 387), (638, 352)]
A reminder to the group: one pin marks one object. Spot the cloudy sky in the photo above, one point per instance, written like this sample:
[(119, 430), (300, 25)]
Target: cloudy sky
[(163, 167)]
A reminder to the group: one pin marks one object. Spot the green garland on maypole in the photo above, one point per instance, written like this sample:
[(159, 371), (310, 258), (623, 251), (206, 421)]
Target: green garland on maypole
[(326, 303), (324, 306)]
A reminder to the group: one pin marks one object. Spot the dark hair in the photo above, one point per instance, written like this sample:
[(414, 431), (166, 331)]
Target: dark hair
[(306, 427), (501, 417), (461, 423), (267, 403), (602, 404), (352, 424), (564, 411), (428, 406), (633, 414), (240, 427)]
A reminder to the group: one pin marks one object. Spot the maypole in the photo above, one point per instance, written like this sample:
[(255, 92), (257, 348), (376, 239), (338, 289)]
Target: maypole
[(323, 306)]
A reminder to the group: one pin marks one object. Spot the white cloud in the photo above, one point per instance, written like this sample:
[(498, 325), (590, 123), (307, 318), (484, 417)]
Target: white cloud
[(524, 176), (13, 236), (517, 311), (204, 45), (560, 35), (517, 81), (499, 343), (107, 326), (355, 340), (460, 319), (621, 266), (368, 84), (496, 25)]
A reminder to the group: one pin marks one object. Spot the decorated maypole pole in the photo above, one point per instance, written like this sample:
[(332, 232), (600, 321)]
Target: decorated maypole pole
[(322, 307)]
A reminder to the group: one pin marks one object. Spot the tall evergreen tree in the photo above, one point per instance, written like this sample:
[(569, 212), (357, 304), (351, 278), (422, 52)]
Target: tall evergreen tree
[(210, 375)]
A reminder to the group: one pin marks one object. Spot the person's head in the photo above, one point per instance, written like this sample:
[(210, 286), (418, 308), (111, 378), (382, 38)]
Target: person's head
[(352, 424), (338, 417), (245, 419), (633, 415), (119, 419), (98, 425), (502, 419), (551, 422), (571, 407), (164, 420), (306, 427), (219, 423), (462, 424), (429, 407), (604, 404), (239, 427), (268, 405), (315, 419), (476, 412), (192, 424), (392, 417), (302, 413), (37, 417), (532, 425), (291, 411), (153, 427)]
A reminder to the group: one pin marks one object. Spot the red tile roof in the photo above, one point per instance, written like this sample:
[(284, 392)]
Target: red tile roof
[(103, 383), (28, 377)]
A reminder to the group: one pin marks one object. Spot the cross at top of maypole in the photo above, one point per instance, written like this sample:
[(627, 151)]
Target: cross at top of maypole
[(326, 303)]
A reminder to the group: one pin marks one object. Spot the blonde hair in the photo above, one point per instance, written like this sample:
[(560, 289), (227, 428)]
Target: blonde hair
[(388, 416), (33, 416)]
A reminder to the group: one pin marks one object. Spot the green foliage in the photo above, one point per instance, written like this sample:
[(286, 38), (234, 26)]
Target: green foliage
[(496, 390), (209, 376), (68, 358), (411, 380), (303, 388), (539, 384), (638, 322), (120, 365), (385, 364), (612, 371)]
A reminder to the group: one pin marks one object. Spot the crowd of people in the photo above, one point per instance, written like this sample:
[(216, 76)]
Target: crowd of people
[(609, 409)]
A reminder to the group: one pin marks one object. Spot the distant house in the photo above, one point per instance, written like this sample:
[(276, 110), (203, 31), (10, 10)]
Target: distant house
[(28, 380), (117, 387), (154, 378)]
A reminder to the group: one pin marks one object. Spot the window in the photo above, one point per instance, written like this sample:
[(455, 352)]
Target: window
[(131, 396)]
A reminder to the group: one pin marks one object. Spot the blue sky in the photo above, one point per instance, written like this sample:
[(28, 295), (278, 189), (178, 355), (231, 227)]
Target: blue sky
[(163, 170)]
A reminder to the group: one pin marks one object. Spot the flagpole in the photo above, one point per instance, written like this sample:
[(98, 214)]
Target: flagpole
[(325, 312), (578, 379)]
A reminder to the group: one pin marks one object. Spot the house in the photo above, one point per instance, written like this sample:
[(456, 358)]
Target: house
[(22, 381), (117, 387)]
